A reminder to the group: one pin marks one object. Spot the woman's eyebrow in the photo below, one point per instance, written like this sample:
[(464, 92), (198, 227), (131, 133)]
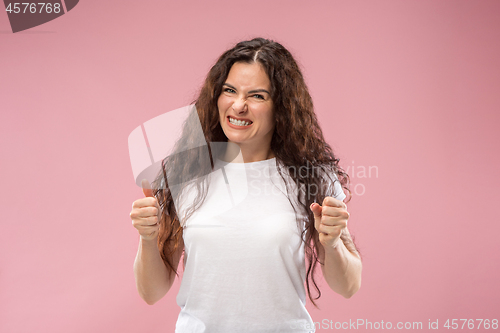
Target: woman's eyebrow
[(251, 91)]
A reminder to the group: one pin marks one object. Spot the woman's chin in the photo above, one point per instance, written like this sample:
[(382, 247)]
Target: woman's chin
[(236, 139)]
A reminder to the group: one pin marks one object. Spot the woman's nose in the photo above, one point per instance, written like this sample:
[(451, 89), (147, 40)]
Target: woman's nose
[(240, 106)]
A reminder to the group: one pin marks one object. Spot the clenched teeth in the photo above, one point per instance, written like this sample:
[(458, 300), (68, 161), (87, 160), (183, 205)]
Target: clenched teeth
[(239, 122)]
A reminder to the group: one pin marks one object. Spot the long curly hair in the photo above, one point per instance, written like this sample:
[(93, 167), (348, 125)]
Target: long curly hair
[(297, 143)]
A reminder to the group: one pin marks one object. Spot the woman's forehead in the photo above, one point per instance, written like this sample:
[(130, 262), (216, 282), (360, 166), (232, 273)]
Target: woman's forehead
[(248, 74)]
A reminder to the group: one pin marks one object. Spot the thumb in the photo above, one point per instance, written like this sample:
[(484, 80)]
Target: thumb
[(316, 209), (146, 188)]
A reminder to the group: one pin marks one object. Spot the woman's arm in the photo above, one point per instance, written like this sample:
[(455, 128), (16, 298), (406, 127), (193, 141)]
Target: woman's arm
[(342, 265), (151, 274)]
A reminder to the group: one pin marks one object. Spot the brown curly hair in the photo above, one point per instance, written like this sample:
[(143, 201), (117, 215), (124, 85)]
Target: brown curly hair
[(297, 142)]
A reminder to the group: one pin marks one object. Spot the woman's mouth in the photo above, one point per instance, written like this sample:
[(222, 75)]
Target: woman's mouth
[(238, 123)]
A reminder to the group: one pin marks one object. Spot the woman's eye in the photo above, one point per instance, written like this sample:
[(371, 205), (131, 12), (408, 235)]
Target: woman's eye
[(229, 90)]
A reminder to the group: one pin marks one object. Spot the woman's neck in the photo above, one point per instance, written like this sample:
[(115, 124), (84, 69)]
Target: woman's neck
[(237, 154)]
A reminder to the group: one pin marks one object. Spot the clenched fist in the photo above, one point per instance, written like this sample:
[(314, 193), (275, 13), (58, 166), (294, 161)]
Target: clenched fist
[(329, 220), (145, 213)]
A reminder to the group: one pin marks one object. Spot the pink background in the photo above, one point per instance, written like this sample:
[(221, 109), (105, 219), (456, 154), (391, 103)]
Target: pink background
[(407, 87)]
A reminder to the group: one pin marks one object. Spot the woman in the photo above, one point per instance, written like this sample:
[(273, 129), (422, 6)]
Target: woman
[(244, 261)]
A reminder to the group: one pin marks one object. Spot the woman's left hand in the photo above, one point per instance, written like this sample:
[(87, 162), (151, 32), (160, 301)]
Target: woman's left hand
[(329, 220)]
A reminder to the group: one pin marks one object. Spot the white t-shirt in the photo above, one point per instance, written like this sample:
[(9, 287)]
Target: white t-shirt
[(244, 258)]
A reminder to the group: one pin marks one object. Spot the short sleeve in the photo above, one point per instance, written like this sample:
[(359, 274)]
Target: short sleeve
[(338, 191), (335, 187)]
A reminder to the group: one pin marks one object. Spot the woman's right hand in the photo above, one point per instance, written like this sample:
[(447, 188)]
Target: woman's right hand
[(145, 213)]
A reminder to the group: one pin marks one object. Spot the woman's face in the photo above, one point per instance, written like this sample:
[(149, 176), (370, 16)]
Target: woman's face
[(246, 108)]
